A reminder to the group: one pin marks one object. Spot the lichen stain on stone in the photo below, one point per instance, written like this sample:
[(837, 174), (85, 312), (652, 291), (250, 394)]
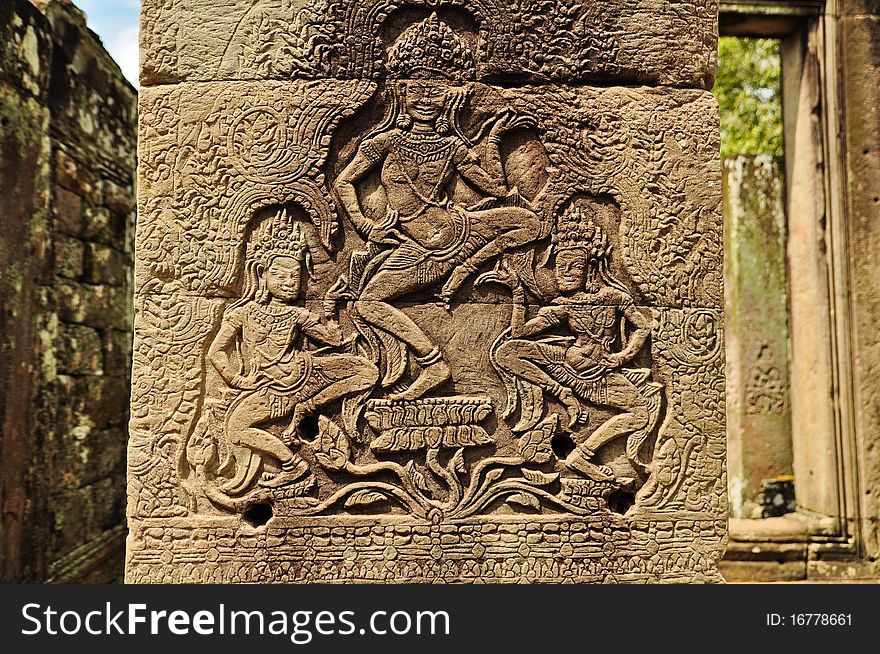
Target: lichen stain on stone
[(30, 50), (48, 360)]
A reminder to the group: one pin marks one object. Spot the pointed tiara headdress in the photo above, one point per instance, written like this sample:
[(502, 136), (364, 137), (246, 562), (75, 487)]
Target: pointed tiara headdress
[(431, 49), (275, 236), (578, 231)]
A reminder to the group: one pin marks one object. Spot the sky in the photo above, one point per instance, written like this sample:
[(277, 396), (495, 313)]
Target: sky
[(116, 22)]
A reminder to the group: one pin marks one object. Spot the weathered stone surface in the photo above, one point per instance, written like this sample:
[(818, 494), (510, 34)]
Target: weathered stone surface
[(25, 49), (653, 151), (79, 350), (420, 327), (66, 166), (642, 42), (92, 304), (861, 40), (24, 184), (756, 321)]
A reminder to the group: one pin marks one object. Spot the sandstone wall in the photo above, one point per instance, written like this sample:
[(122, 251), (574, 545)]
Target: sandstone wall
[(67, 159), (428, 175), (860, 42)]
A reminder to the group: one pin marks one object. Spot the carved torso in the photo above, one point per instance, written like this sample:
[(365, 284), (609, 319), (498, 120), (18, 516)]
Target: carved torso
[(415, 174), (271, 338), (594, 319)]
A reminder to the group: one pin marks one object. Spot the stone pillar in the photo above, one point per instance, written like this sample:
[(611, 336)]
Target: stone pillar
[(756, 322), (428, 292), (860, 81), (67, 158)]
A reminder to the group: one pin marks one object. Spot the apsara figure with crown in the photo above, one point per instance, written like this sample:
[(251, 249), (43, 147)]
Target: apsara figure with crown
[(426, 238), (588, 366), (259, 353)]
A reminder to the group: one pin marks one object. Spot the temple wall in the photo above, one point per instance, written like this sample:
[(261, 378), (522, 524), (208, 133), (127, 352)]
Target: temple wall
[(67, 156)]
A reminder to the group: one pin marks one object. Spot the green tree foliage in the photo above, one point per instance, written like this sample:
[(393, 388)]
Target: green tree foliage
[(749, 92)]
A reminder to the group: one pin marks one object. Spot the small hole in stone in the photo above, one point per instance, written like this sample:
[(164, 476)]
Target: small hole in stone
[(620, 501), (562, 445), (257, 515), (4, 122), (308, 428)]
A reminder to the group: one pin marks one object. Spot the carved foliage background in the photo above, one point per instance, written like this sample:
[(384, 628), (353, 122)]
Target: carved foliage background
[(531, 39)]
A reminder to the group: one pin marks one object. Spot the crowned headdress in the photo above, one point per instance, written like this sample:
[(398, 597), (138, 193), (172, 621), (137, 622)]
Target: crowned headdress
[(277, 235), (578, 231), (431, 49)]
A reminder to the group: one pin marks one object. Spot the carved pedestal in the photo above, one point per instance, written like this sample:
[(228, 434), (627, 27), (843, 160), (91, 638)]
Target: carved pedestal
[(425, 293)]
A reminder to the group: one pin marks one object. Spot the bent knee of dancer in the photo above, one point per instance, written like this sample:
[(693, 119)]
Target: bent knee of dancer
[(369, 309), (507, 355), (238, 423), (527, 220), (366, 373), (641, 415), (238, 434)]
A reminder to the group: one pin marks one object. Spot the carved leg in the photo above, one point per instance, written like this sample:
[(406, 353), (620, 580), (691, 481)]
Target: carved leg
[(579, 461), (349, 374), (622, 394), (374, 308), (512, 227), (434, 372), (290, 472), (518, 357), (303, 409), (241, 430)]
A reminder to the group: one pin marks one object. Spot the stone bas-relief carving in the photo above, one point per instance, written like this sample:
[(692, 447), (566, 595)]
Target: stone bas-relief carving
[(424, 328), (267, 374), (766, 388), (626, 42)]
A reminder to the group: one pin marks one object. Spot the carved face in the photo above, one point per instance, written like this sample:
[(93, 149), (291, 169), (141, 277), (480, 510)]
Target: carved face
[(424, 100), (283, 278), (571, 270)]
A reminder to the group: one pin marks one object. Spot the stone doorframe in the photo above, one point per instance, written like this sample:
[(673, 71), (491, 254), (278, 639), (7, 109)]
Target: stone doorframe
[(825, 537)]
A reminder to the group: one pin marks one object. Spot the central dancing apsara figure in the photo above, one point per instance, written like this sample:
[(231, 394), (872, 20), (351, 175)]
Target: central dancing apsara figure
[(420, 151)]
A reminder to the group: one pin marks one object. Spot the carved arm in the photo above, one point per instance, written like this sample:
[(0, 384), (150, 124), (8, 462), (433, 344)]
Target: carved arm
[(491, 185), (218, 357), (643, 325), (547, 317), (323, 330), (346, 194)]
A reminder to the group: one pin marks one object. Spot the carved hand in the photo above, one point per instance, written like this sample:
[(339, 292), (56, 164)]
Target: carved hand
[(248, 382), (329, 307), (614, 359), (339, 291), (329, 303), (503, 275), (510, 120)]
